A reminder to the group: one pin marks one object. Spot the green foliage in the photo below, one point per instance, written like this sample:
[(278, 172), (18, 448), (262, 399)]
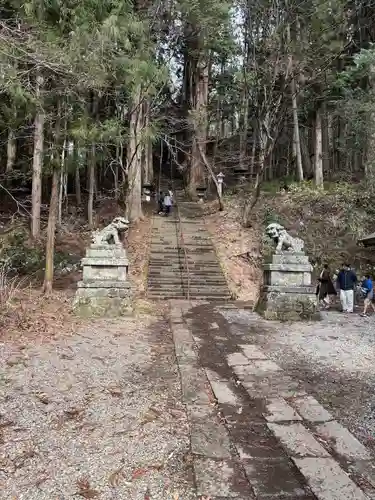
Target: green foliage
[(270, 215), (19, 257), (22, 257)]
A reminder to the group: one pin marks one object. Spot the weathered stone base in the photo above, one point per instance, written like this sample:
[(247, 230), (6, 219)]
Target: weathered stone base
[(103, 299), (288, 303)]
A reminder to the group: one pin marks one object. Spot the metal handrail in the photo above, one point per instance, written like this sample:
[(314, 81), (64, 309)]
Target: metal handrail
[(185, 252)]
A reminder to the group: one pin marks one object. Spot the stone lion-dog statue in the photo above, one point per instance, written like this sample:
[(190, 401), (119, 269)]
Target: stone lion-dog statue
[(110, 234), (283, 240)]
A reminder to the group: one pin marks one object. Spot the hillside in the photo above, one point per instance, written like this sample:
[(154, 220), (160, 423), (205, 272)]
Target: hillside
[(330, 222)]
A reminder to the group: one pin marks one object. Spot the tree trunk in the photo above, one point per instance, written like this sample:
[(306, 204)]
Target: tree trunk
[(318, 149), (246, 222), (91, 186), (149, 161), (78, 185), (51, 227), (306, 154), (244, 129), (37, 166), (134, 191), (296, 135), (213, 178), (147, 167), (199, 100), (265, 148), (253, 151), (11, 150), (62, 184)]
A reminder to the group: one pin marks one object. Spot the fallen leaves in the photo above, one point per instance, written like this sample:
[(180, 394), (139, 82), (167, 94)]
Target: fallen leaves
[(43, 397), (20, 460), (115, 391), (6, 423), (33, 315), (150, 416), (116, 476), (138, 245), (85, 490), (74, 413), (137, 473)]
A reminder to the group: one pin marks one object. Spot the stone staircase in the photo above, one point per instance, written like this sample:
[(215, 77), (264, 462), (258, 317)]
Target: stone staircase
[(184, 262)]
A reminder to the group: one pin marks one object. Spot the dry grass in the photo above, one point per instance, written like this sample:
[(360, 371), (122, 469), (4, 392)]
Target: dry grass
[(30, 316), (9, 288)]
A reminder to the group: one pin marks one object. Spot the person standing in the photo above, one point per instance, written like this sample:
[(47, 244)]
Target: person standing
[(170, 192), (160, 203), (368, 292), (326, 287), (346, 281), (167, 204)]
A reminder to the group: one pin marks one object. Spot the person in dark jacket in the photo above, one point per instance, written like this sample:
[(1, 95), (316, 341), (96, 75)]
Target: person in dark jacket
[(326, 287), (161, 203), (346, 281)]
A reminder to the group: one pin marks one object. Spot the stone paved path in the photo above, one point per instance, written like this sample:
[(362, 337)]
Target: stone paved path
[(182, 257), (255, 431)]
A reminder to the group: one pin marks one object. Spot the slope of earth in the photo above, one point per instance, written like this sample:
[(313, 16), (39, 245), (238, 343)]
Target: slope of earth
[(238, 250), (329, 221)]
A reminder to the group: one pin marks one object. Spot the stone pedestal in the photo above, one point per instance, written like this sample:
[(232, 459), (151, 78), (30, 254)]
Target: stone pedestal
[(287, 293), (104, 289)]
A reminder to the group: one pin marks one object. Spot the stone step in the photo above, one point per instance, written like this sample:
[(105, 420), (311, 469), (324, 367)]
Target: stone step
[(191, 297), (205, 255), (178, 260), (219, 287), (181, 258), (193, 278), (203, 274), (213, 291), (195, 268), (183, 278), (172, 245), (182, 266), (172, 294), (205, 252), (203, 277)]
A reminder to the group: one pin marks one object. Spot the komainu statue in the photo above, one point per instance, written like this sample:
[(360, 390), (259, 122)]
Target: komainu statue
[(110, 234), (283, 240)]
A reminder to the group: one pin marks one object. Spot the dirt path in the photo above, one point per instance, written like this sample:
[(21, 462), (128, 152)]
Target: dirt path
[(97, 414)]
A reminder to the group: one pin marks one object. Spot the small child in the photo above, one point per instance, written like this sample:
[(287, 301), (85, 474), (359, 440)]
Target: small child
[(367, 289), (167, 204)]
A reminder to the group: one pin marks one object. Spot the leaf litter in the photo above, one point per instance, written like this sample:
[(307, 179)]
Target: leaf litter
[(106, 418)]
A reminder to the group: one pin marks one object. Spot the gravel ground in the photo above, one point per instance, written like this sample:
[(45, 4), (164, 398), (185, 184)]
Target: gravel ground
[(94, 415), (335, 358)]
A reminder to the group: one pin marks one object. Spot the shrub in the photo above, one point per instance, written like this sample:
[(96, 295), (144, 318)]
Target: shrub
[(9, 286), (20, 257)]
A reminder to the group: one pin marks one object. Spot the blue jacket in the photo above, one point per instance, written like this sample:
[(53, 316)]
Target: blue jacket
[(346, 279), (367, 285)]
